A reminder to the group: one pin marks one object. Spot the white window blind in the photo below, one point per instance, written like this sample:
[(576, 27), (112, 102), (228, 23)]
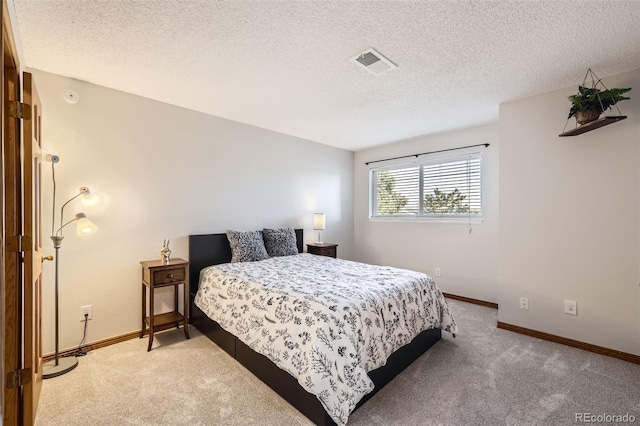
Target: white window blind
[(443, 188)]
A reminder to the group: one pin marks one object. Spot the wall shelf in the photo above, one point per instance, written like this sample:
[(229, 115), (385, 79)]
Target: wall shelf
[(604, 121)]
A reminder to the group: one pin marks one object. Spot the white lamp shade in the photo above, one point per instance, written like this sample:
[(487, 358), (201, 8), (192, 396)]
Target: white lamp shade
[(318, 221), (89, 198), (84, 225)]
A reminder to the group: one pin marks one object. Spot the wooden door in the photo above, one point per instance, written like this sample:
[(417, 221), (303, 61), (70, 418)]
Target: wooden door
[(32, 143), (11, 254)]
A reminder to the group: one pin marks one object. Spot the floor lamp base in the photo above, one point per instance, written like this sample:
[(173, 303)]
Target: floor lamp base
[(50, 369)]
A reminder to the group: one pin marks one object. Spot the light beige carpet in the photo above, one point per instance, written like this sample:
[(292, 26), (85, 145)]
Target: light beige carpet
[(485, 376), (180, 382)]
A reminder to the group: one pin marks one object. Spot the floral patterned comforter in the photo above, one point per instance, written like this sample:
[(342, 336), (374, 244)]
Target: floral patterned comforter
[(325, 321)]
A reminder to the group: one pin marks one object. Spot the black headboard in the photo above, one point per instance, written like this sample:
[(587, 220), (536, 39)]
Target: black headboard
[(214, 249)]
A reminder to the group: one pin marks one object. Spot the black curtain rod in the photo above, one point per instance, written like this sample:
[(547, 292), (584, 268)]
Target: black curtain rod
[(425, 153)]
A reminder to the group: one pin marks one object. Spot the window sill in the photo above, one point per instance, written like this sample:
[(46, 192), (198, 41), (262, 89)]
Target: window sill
[(457, 220)]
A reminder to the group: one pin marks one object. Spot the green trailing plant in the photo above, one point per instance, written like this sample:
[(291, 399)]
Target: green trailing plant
[(594, 99)]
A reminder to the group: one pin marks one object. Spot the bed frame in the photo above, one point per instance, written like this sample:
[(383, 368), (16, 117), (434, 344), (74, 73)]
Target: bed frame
[(214, 249)]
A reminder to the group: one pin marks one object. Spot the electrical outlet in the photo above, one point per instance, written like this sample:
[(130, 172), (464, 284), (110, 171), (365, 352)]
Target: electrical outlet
[(86, 309), (524, 303), (570, 307), (437, 272)]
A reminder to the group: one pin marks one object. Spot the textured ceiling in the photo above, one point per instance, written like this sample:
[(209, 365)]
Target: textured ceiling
[(285, 65)]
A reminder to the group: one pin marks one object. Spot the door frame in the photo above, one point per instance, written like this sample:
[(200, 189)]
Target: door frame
[(11, 227)]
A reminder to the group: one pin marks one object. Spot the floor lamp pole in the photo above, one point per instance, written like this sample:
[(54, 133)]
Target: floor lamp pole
[(57, 366)]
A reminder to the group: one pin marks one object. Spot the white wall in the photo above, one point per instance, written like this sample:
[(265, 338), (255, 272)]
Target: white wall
[(167, 172), (468, 261), (569, 220)]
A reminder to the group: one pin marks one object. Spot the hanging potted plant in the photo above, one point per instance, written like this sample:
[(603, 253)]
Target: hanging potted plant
[(590, 102)]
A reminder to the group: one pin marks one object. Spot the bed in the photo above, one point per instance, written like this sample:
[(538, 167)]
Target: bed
[(215, 249)]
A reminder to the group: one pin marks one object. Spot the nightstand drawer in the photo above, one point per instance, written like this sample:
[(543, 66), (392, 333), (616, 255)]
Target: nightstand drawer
[(330, 252), (164, 276), (323, 249)]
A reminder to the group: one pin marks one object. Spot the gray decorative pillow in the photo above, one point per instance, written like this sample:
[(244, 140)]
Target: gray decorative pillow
[(246, 246), (280, 242)]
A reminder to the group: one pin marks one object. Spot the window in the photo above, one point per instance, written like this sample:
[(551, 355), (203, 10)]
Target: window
[(439, 189)]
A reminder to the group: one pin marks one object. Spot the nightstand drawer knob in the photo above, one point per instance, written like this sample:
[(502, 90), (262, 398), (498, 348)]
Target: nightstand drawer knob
[(170, 276)]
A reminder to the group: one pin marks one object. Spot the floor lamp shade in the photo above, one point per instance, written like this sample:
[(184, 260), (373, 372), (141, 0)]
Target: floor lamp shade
[(88, 197), (319, 221), (84, 225)]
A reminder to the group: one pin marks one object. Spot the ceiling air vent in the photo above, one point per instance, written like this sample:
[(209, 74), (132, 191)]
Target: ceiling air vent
[(373, 62)]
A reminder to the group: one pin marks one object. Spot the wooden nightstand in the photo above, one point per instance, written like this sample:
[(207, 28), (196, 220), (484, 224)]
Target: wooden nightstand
[(323, 249), (156, 274)]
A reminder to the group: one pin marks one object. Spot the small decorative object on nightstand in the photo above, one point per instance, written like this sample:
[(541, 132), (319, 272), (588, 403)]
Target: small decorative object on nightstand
[(165, 253), (163, 273), (323, 249)]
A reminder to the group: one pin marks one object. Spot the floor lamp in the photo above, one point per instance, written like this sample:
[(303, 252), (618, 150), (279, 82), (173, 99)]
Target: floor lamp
[(58, 365)]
